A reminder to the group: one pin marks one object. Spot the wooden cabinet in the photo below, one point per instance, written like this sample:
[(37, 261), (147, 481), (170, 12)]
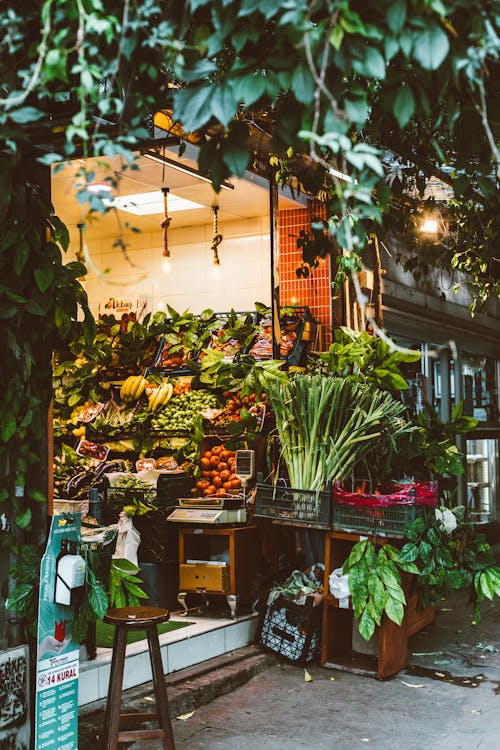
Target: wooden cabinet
[(341, 645), (220, 560)]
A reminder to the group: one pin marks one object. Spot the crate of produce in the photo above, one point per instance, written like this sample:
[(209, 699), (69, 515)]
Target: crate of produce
[(297, 333), (291, 630), (384, 513), (231, 333), (293, 506)]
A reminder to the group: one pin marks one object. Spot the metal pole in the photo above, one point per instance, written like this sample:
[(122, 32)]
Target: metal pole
[(275, 273)]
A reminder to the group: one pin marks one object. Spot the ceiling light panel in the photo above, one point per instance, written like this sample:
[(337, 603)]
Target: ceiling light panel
[(145, 204)]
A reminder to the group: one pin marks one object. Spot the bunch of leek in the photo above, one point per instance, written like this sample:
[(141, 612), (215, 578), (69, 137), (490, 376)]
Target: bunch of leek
[(328, 425)]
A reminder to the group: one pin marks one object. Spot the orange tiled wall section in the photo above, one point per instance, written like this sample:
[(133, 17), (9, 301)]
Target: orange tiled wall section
[(315, 291)]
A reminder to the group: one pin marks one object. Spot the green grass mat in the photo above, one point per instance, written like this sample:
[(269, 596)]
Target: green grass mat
[(105, 633)]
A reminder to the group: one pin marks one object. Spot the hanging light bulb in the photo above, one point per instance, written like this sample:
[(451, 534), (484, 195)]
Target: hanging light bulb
[(216, 240), (165, 264)]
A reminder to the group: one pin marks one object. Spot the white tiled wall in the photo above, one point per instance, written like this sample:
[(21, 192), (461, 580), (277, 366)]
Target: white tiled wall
[(244, 273)]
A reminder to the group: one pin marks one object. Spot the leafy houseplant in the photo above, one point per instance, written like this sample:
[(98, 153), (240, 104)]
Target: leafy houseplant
[(358, 356), (375, 584), (451, 554), (443, 552)]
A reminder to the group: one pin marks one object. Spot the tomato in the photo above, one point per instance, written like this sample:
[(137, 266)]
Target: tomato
[(222, 466), (225, 474), (207, 454), (209, 491), (216, 450), (205, 462), (224, 455), (214, 461), (235, 484), (205, 474), (214, 473), (221, 493), (217, 482), (227, 485), (202, 484), (233, 477)]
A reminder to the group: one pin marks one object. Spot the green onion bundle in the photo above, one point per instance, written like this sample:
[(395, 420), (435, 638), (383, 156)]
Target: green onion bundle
[(327, 425)]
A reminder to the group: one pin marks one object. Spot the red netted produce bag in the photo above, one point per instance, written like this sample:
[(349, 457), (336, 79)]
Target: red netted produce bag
[(396, 493)]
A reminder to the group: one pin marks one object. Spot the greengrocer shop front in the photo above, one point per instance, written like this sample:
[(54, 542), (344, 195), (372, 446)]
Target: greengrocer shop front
[(182, 282)]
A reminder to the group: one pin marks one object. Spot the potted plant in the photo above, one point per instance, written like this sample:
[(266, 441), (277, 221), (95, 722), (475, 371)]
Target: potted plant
[(121, 588)]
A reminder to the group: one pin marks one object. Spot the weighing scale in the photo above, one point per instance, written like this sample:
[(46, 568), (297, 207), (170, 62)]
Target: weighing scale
[(218, 510), (207, 515)]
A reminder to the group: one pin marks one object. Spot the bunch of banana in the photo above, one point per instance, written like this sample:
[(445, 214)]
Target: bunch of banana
[(133, 388), (160, 396)]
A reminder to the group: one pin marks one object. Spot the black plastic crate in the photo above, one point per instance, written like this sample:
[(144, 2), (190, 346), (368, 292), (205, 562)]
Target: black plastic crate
[(116, 498), (298, 507), (381, 520), (159, 538), (169, 487), (291, 630)]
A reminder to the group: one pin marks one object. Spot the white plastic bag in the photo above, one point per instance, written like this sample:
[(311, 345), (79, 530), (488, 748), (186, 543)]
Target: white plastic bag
[(128, 539), (338, 583)]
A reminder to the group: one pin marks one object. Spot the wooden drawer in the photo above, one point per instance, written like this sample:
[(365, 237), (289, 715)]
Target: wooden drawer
[(205, 577)]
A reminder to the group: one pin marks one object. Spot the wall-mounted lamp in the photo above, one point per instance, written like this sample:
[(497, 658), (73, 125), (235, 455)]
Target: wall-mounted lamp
[(165, 264), (429, 226), (166, 162), (216, 240)]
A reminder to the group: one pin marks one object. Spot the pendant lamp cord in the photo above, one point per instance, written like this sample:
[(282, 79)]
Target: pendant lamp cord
[(217, 238), (165, 224)]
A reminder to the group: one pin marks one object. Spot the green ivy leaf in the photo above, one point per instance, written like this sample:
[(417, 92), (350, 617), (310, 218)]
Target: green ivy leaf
[(355, 555), (98, 600), (389, 577), (372, 65), (23, 520), (394, 609), (409, 567), (223, 104), (366, 625), (19, 597), (396, 16), (434, 536), (430, 46), (8, 427), (404, 106), (303, 84), (135, 591), (44, 277), (191, 106), (377, 592), (236, 157), (26, 114), (409, 553), (250, 88)]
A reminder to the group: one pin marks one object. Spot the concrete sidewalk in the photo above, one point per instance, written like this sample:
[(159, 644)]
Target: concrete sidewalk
[(449, 694)]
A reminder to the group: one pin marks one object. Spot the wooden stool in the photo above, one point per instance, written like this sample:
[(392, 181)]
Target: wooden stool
[(128, 619)]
